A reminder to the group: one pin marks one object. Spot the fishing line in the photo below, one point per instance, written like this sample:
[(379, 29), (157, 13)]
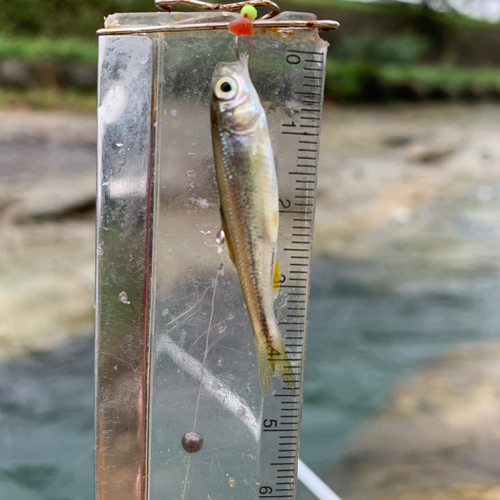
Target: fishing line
[(239, 56), (219, 269)]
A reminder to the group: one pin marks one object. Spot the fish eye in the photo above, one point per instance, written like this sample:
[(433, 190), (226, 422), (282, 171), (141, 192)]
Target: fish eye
[(226, 88)]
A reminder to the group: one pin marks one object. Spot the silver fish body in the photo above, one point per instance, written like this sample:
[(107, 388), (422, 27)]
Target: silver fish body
[(248, 190)]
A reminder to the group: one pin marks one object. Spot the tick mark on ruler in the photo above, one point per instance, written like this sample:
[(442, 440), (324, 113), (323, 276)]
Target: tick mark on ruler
[(305, 52)]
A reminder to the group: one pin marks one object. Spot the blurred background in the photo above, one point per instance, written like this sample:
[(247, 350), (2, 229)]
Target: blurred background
[(402, 395)]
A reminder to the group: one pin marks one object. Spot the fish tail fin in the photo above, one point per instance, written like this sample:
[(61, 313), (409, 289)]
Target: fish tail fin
[(272, 359)]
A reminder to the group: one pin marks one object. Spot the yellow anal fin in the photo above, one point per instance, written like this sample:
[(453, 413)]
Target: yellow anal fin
[(276, 279)]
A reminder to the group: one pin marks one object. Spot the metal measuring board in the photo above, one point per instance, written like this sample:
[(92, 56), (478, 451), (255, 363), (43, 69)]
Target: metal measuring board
[(174, 351)]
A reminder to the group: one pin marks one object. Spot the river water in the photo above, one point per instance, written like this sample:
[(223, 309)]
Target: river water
[(428, 282), (371, 323)]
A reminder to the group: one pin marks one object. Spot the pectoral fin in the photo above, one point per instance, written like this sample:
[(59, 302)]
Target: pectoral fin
[(228, 241)]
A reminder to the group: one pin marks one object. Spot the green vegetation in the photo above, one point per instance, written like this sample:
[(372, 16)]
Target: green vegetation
[(63, 18), (435, 77), (357, 81), (370, 47), (383, 50), (42, 48), (67, 99), (388, 9)]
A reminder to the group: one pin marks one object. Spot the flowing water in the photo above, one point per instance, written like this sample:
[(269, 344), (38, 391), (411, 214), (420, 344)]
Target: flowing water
[(429, 285), (427, 282)]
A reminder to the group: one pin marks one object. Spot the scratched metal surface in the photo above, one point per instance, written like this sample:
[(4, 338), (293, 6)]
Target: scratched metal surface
[(123, 219)]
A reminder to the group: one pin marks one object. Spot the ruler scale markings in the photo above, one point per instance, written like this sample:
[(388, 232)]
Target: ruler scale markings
[(304, 132), (300, 133), (305, 52), (275, 496), (305, 93)]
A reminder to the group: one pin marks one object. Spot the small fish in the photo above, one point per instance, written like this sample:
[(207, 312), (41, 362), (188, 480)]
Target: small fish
[(248, 191)]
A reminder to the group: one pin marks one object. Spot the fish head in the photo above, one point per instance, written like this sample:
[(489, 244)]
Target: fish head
[(234, 101)]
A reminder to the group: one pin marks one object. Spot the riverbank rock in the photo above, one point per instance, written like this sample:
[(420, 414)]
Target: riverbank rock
[(379, 165), (47, 229), (18, 73), (365, 183), (438, 438)]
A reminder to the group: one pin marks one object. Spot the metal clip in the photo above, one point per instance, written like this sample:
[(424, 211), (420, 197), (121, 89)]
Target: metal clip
[(265, 21), (167, 5)]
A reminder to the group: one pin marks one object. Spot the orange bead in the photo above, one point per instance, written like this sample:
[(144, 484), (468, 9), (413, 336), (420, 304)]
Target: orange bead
[(241, 27)]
